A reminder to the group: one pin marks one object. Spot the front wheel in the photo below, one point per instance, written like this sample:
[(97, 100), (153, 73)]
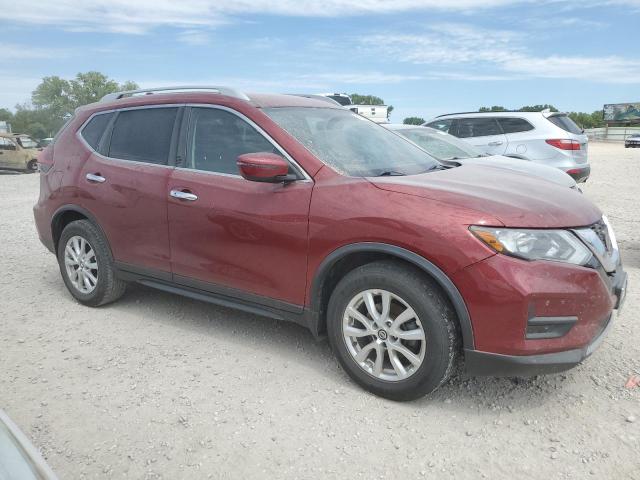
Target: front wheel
[(393, 330), (32, 166), (87, 266)]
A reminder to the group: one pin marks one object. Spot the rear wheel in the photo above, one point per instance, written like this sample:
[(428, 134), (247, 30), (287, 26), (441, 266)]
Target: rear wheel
[(32, 166), (87, 266), (393, 330)]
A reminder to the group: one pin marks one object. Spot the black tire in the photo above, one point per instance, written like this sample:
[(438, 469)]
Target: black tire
[(436, 314), (32, 166), (108, 287)]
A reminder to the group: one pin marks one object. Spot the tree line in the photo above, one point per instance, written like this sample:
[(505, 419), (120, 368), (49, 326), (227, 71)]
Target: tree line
[(55, 99)]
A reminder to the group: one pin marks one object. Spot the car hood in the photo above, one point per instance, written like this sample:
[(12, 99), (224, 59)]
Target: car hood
[(552, 174), (514, 198)]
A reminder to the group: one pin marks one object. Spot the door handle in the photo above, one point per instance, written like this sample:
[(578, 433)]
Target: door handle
[(495, 144), (95, 178), (183, 195)]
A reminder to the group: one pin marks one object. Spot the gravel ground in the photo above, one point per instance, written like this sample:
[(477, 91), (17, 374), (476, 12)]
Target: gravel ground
[(159, 386)]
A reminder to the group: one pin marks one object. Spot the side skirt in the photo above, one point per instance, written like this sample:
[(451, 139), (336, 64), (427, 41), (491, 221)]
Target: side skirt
[(210, 293)]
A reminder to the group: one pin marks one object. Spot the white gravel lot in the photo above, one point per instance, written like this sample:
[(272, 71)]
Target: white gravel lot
[(159, 386)]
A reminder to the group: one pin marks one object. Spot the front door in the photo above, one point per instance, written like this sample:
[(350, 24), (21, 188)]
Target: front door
[(10, 156), (229, 235)]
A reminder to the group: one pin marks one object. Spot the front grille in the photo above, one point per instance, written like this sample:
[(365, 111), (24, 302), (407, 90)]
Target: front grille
[(600, 239)]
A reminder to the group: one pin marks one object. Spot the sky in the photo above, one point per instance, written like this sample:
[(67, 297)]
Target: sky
[(424, 57)]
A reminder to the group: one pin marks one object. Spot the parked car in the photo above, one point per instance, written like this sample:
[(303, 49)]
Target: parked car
[(19, 459), (632, 141), (301, 210), (45, 141), (451, 151), (550, 138), (18, 152)]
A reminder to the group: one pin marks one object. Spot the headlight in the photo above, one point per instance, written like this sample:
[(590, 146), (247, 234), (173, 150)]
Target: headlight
[(556, 245)]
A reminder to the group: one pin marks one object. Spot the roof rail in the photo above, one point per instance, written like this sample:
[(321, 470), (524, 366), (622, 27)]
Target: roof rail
[(231, 92)]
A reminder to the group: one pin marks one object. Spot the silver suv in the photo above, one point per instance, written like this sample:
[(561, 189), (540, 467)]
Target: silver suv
[(550, 138)]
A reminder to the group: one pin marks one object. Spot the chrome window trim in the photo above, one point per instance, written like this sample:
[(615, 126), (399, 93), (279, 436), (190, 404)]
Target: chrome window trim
[(114, 110), (307, 177)]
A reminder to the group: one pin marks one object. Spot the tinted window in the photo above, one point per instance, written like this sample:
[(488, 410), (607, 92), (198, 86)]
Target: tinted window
[(565, 123), (514, 125), (477, 127), (217, 139), (92, 132), (443, 125), (143, 135)]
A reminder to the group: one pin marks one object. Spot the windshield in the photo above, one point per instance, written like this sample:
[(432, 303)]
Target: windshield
[(565, 123), (26, 142), (351, 144), (440, 145)]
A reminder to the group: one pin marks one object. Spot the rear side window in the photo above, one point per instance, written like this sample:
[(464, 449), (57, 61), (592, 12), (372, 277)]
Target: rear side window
[(143, 135), (565, 123), (514, 125), (442, 125), (477, 127), (93, 131)]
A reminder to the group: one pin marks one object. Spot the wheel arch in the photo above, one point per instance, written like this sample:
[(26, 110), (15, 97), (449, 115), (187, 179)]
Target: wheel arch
[(67, 214), (358, 254)]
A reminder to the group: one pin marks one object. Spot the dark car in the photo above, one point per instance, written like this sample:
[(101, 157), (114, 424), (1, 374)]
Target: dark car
[(298, 209), (632, 141)]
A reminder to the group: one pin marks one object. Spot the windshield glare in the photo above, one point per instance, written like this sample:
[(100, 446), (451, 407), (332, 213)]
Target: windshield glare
[(351, 144), (440, 145)]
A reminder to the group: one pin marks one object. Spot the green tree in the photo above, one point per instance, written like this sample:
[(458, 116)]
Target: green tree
[(5, 115), (538, 108), (588, 120), (413, 121), (358, 99), (495, 108)]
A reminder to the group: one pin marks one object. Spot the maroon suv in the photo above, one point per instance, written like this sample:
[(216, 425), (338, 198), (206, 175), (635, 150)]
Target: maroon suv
[(301, 210)]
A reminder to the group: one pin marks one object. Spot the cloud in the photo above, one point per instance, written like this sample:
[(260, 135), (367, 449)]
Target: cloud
[(14, 51), (194, 37), (494, 53), (140, 16)]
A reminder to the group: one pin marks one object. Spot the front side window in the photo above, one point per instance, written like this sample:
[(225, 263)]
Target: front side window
[(477, 127), (442, 125), (514, 125), (27, 142), (143, 135), (351, 144), (441, 146), (217, 137), (93, 131)]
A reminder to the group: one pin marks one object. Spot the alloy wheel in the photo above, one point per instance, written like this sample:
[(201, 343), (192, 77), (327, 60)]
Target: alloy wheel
[(81, 264), (384, 335)]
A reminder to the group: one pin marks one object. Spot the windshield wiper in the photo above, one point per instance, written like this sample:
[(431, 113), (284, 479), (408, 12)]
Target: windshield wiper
[(391, 173)]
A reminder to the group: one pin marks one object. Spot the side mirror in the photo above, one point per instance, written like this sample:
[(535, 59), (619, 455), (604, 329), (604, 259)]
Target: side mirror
[(264, 167)]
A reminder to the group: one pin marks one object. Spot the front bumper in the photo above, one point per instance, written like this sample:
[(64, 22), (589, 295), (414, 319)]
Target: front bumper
[(479, 363)]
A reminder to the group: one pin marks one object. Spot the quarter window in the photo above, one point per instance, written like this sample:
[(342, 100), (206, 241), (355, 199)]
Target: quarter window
[(143, 135), (477, 127), (514, 125), (218, 137), (93, 131)]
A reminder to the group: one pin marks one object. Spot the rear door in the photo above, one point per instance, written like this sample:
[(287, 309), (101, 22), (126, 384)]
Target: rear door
[(482, 132), (125, 183), (232, 236)]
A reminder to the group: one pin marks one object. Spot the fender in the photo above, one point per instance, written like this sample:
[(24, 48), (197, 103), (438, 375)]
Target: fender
[(82, 211), (422, 263)]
